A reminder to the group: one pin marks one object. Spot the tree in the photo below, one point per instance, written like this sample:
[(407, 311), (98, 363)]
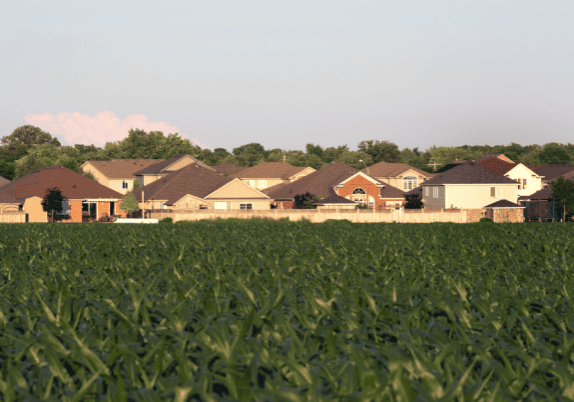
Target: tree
[(15, 145), (331, 154), (129, 203), (306, 201), (313, 149), (380, 151), (89, 176), (354, 159), (7, 169), (563, 193), (52, 201), (173, 144), (413, 201), (140, 144), (554, 153), (44, 155)]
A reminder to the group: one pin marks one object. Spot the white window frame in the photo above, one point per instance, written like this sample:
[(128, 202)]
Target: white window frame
[(524, 184), (246, 205), (435, 192), (250, 182), (427, 191), (262, 183), (220, 205), (411, 181)]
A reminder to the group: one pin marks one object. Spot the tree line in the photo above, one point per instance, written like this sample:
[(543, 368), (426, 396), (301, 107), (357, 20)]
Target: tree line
[(29, 148)]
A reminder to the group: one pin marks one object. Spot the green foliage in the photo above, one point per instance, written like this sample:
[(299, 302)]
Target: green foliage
[(380, 151), (89, 176), (255, 311), (136, 184), (45, 155), (129, 203), (485, 219), (413, 201), (166, 220), (355, 159), (17, 144), (52, 202), (7, 169), (563, 193), (306, 201), (554, 153)]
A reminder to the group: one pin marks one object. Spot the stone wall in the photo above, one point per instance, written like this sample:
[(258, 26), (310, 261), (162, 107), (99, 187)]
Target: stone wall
[(508, 215)]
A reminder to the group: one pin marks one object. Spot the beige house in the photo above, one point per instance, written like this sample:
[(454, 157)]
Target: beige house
[(398, 175), (195, 187), (528, 181), (117, 174), (269, 174), (468, 186), (161, 169)]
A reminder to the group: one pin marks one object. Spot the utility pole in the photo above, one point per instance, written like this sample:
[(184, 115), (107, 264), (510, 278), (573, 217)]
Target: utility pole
[(434, 165)]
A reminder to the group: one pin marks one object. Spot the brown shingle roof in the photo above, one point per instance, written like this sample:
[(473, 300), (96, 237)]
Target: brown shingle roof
[(389, 191), (468, 173), (503, 204), (335, 199), (319, 183), (497, 166), (3, 181), (73, 185), (269, 170), (158, 168), (123, 168), (228, 168), (384, 169), (552, 171), (193, 179), (489, 156)]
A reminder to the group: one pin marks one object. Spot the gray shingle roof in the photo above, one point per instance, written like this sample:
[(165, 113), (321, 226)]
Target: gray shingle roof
[(551, 171), (319, 183), (503, 204), (468, 173), (335, 199), (384, 169), (228, 168), (193, 179)]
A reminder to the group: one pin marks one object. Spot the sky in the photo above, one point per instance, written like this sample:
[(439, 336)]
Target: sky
[(288, 73)]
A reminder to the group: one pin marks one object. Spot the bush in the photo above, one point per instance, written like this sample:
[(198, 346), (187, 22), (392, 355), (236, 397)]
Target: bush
[(166, 220), (486, 220)]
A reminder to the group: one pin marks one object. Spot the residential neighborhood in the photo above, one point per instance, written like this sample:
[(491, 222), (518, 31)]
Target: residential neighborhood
[(491, 186)]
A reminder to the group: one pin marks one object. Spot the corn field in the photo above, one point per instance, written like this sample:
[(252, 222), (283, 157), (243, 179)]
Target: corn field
[(286, 311)]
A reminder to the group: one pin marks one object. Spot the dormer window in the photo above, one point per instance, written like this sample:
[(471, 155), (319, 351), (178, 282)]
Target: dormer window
[(410, 182), (124, 184)]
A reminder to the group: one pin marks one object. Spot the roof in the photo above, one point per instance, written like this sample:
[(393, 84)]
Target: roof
[(418, 191), (468, 173), (503, 204), (497, 166), (193, 179), (228, 168), (319, 183), (3, 181), (123, 168), (269, 170), (73, 185), (384, 169), (546, 192), (158, 168), (552, 171), (335, 199), (388, 191), (490, 156)]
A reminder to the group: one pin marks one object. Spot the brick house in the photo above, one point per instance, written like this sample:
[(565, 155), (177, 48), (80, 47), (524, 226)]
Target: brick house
[(369, 191), (27, 192)]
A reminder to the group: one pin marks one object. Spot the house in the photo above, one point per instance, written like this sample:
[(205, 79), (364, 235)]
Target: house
[(270, 174), (320, 183), (456, 163), (117, 174), (552, 171), (541, 205), (370, 192), (467, 186), (27, 192), (398, 175), (161, 169), (195, 187), (528, 181), (227, 169), (504, 211)]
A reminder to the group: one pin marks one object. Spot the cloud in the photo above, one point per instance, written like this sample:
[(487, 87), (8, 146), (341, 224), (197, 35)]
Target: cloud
[(79, 128)]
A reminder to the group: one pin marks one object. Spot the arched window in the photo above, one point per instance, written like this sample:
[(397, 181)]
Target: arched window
[(410, 182), (359, 195)]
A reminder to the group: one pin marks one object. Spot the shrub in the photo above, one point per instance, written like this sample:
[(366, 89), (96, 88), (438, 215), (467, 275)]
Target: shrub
[(166, 220), (486, 220)]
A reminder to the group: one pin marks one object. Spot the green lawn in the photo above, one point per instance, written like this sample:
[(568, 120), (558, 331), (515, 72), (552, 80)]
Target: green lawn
[(286, 311)]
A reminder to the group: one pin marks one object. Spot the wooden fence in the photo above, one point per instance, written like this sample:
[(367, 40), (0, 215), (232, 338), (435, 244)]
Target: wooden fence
[(12, 217)]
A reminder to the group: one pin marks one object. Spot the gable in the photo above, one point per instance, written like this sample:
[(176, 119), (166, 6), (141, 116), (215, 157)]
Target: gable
[(179, 164), (522, 171), (354, 177), (236, 189)]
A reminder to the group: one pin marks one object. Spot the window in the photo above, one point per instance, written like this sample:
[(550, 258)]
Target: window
[(65, 208), (409, 182), (427, 191), (246, 206), (435, 192), (359, 195), (495, 192), (124, 184), (220, 205), (262, 183), (250, 182), (524, 183)]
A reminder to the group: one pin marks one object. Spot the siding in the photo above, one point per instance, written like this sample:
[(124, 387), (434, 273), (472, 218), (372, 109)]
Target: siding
[(472, 196), (236, 189)]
